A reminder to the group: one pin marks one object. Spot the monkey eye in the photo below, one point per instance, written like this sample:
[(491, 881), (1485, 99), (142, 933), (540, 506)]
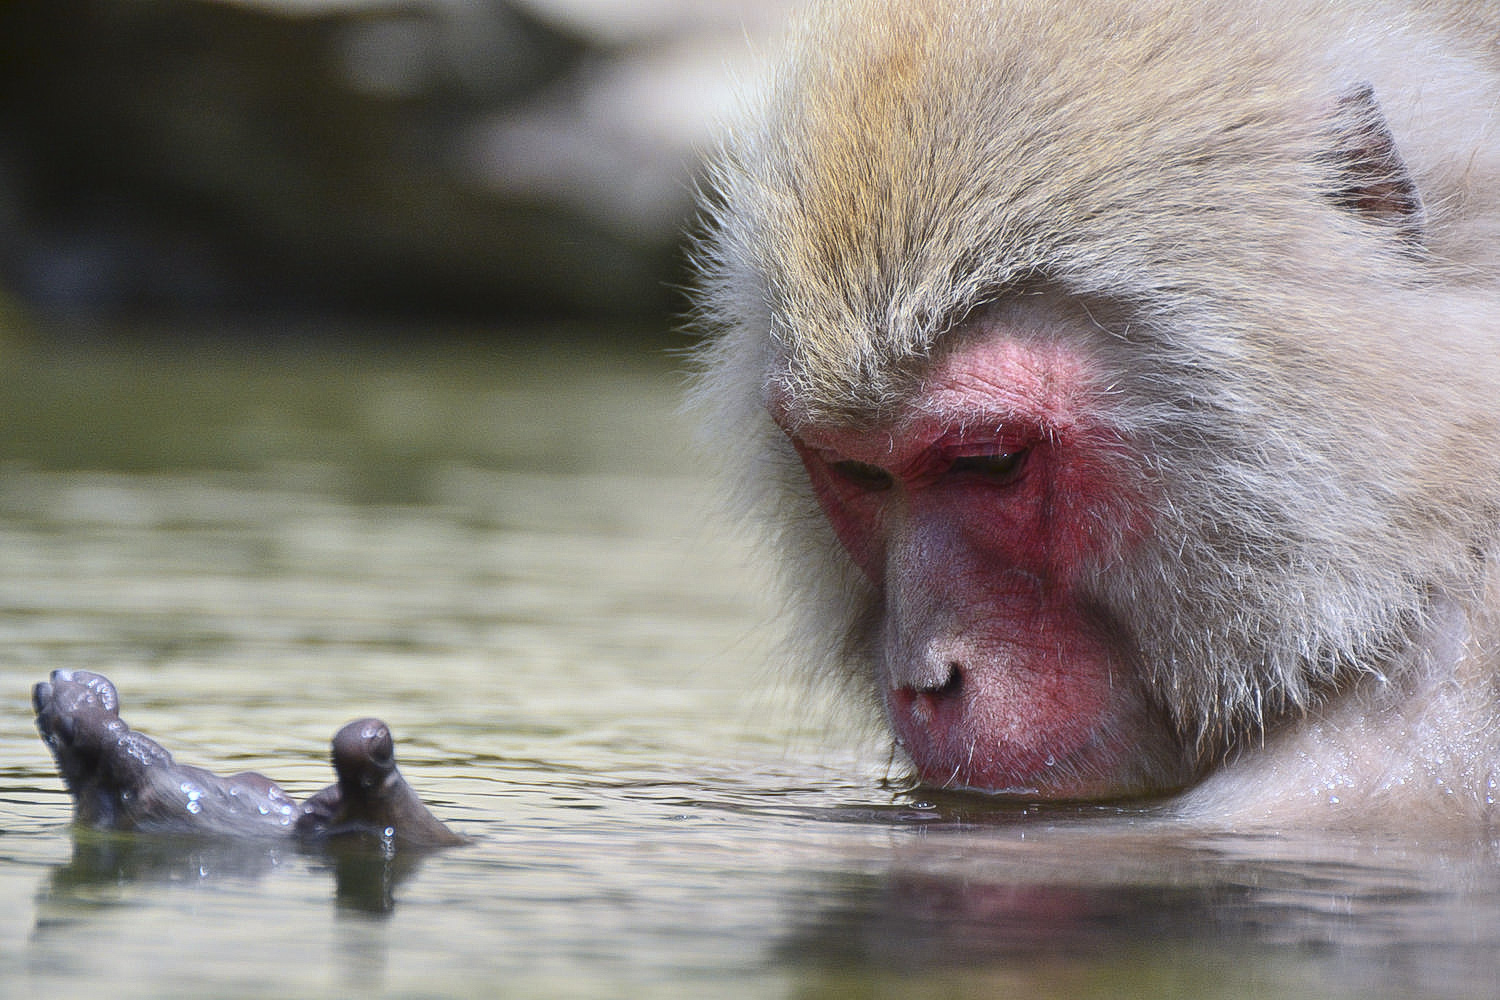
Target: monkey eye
[(863, 475), (998, 469)]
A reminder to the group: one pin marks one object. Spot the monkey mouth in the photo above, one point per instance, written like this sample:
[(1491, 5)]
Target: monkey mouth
[(953, 742)]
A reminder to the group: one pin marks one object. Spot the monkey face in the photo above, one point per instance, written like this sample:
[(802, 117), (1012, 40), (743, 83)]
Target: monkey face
[(980, 511)]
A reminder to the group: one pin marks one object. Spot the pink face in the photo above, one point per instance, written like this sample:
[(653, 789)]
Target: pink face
[(977, 512)]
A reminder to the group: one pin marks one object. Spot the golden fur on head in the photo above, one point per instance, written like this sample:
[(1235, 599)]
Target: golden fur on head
[(1288, 216), (938, 153)]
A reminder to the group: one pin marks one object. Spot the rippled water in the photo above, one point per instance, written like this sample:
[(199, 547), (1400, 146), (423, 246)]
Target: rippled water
[(511, 556)]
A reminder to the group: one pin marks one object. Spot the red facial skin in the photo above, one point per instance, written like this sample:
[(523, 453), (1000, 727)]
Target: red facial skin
[(996, 675)]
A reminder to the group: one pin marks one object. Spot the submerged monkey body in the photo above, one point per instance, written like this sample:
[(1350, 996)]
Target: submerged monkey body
[(1141, 360)]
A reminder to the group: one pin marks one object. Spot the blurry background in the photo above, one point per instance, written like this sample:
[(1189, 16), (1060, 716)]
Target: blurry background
[(171, 161)]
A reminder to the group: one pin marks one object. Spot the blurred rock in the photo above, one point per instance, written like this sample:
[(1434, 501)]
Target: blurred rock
[(443, 158)]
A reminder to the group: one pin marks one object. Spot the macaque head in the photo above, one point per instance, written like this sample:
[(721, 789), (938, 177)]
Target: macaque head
[(1099, 361)]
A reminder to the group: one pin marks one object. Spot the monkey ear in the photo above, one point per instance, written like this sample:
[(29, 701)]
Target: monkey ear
[(1371, 179)]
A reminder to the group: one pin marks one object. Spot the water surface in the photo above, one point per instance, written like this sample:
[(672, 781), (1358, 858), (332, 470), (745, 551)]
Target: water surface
[(512, 556)]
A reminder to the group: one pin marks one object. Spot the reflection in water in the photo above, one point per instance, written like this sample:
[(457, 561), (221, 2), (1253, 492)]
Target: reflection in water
[(111, 860), (365, 871), (508, 558), (365, 876), (106, 869), (1073, 907)]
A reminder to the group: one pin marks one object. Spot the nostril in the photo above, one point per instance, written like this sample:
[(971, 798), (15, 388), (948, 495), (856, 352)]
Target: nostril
[(926, 703), (942, 684)]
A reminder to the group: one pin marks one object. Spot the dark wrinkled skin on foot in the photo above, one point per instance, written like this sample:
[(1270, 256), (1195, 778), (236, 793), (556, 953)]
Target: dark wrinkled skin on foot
[(370, 797), (124, 780)]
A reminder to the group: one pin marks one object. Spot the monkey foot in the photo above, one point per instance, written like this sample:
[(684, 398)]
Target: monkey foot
[(371, 797), (123, 780)]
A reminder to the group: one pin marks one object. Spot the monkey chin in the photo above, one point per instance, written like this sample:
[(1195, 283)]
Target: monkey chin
[(954, 744)]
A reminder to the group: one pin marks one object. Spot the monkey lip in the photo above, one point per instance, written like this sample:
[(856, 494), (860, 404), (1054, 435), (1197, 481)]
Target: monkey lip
[(952, 745)]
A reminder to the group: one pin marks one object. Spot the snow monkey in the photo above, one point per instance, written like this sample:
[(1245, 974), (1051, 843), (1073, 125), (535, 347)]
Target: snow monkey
[(1121, 382)]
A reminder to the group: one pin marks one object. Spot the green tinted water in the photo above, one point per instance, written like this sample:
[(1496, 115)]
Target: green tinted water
[(512, 557)]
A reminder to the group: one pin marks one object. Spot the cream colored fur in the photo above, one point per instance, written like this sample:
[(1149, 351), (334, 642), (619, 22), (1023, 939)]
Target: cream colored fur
[(1317, 394)]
